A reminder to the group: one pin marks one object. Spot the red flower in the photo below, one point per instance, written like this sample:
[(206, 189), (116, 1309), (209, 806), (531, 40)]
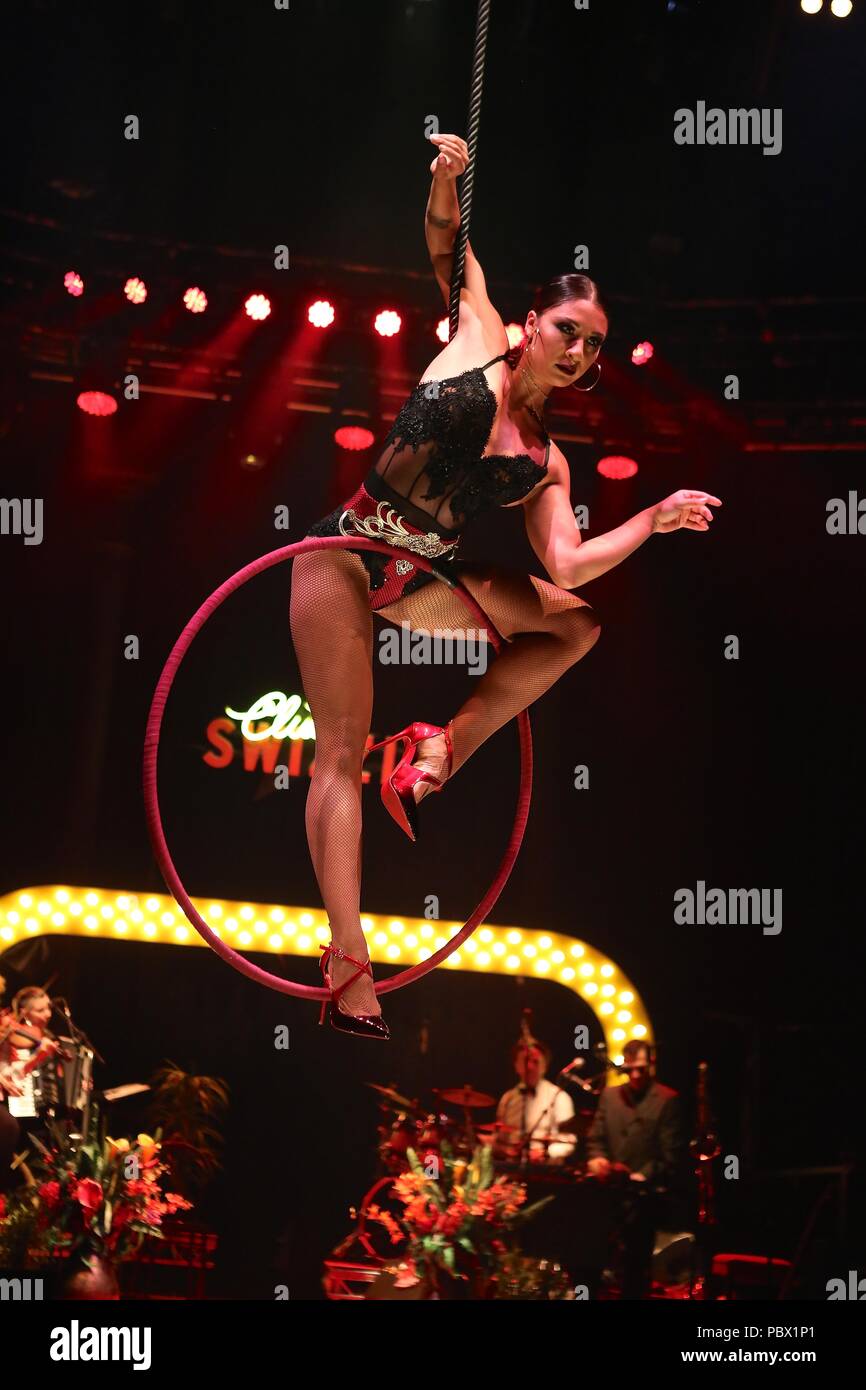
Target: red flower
[(449, 1222), (88, 1193), (120, 1218), (50, 1194)]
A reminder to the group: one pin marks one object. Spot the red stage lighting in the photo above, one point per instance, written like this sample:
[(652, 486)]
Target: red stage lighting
[(195, 300), (642, 354), (135, 290), (73, 283), (96, 403), (616, 466), (387, 323), (353, 437), (258, 306), (321, 314)]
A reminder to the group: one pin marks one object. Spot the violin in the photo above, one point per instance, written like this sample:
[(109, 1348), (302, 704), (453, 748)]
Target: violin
[(21, 1032)]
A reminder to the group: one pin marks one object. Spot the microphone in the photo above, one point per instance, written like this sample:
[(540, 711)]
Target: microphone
[(573, 1065)]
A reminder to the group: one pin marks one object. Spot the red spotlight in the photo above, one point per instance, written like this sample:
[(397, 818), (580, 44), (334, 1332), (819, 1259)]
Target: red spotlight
[(321, 314), (258, 306), (96, 403), (353, 437), (642, 354), (387, 323), (195, 300), (73, 283), (135, 290), (616, 466)]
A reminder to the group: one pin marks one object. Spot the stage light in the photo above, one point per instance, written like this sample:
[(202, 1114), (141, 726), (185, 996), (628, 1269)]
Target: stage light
[(96, 403), (156, 919), (321, 314), (642, 354), (515, 334), (258, 306), (616, 466), (195, 300), (353, 437), (387, 323), (811, 6), (135, 290), (841, 8), (73, 283), (442, 330)]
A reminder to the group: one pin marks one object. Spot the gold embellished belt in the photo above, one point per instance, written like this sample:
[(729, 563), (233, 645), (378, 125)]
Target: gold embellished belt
[(388, 526)]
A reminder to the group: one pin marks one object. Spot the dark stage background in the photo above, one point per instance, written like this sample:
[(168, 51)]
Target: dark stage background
[(306, 128)]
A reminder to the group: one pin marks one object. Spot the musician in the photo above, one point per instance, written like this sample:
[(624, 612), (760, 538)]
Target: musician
[(10, 1130), (637, 1134), (535, 1108), (33, 1044)]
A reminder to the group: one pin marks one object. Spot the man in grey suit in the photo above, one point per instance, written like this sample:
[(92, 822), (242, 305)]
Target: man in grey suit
[(637, 1136)]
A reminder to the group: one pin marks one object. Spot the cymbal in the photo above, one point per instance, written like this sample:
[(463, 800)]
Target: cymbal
[(394, 1097), (465, 1096)]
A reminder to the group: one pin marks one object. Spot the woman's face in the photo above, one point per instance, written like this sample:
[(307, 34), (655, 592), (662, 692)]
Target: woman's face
[(568, 341)]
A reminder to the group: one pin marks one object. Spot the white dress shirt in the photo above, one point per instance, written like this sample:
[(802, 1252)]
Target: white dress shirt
[(538, 1124)]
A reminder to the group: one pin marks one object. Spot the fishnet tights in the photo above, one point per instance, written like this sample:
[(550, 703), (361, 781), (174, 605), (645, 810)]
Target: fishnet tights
[(332, 630)]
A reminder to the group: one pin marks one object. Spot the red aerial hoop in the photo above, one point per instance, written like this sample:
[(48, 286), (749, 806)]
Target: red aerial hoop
[(151, 752), (274, 557)]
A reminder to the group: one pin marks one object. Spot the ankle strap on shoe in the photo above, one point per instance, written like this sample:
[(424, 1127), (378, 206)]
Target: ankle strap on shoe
[(364, 967)]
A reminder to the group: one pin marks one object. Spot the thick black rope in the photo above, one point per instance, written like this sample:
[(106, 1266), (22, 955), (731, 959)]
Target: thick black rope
[(459, 263)]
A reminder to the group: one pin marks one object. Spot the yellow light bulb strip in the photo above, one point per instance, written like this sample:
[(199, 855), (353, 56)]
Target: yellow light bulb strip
[(272, 928)]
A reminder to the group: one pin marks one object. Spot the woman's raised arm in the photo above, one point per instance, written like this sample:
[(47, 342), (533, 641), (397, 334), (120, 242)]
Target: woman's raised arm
[(441, 225)]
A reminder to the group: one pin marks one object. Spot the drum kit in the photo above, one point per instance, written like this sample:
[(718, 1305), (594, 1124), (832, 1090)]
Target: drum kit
[(455, 1125), (407, 1124)]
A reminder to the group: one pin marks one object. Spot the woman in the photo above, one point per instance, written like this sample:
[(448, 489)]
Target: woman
[(471, 436)]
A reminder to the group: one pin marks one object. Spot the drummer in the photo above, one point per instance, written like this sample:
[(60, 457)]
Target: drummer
[(534, 1109)]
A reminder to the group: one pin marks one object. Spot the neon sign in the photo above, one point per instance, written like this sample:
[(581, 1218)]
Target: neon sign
[(283, 710), (272, 720)]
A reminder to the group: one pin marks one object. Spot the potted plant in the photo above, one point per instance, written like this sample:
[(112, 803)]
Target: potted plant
[(459, 1224), (93, 1202)]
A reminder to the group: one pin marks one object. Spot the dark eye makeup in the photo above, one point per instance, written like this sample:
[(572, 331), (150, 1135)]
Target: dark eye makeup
[(567, 326)]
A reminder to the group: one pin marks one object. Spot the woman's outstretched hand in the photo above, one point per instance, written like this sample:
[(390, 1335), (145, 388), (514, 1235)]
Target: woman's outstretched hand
[(453, 156), (685, 509)]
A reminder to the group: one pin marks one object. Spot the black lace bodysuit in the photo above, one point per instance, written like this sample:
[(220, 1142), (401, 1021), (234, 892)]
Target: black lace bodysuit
[(434, 474)]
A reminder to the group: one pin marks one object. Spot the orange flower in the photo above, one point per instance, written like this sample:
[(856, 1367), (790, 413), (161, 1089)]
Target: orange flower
[(147, 1149)]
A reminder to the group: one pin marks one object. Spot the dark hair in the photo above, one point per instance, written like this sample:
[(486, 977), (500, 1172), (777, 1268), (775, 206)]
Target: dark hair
[(559, 290), (564, 287), (634, 1046), (535, 1046)]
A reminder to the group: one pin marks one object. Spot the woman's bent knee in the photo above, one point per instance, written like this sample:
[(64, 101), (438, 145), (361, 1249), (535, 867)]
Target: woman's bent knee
[(580, 627)]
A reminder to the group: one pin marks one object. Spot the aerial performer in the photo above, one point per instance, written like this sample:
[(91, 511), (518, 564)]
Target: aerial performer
[(470, 437)]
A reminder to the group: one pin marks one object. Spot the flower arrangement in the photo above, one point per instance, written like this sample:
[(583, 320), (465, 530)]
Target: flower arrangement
[(459, 1220), (100, 1197)]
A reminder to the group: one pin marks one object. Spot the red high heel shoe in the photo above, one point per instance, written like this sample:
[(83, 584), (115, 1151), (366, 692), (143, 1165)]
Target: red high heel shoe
[(362, 1025), (398, 792)]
